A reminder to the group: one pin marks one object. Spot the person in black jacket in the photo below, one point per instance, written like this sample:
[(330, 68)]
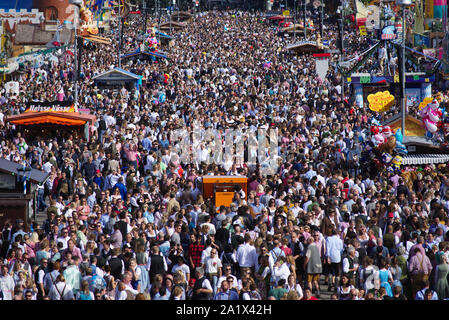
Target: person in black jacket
[(122, 225), (202, 290), (156, 263), (222, 234), (117, 265), (402, 188)]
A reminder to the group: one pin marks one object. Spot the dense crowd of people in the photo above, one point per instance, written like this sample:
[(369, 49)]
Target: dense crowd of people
[(126, 221)]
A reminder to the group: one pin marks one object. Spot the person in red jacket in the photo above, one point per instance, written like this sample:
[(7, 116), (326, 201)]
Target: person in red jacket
[(308, 294)]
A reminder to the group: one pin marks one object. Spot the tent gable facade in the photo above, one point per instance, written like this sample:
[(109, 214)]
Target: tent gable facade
[(116, 74), (117, 78), (61, 118)]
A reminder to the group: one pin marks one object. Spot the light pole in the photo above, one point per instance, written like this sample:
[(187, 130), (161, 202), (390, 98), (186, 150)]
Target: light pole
[(120, 32), (403, 4), (305, 23), (77, 4), (119, 21), (145, 18), (342, 43), (294, 21), (159, 22), (321, 19)]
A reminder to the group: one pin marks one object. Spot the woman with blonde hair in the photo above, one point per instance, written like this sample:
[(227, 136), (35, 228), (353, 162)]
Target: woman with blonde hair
[(177, 293), (179, 281), (292, 295), (85, 293)]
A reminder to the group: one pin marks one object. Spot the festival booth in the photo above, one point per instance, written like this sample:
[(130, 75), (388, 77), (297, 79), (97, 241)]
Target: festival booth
[(387, 147), (306, 47), (18, 185), (414, 138), (220, 189), (172, 25), (181, 16), (116, 79), (292, 28), (417, 86), (53, 119)]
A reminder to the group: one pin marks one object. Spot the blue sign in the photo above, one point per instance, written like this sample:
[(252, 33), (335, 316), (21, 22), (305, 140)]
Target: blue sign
[(389, 33)]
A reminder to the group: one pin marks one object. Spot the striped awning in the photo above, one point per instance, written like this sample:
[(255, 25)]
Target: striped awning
[(425, 159)]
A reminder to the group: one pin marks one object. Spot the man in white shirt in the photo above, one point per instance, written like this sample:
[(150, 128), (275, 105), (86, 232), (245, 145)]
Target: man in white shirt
[(63, 238), (112, 179), (246, 255), (202, 287), (60, 205), (226, 274), (334, 249), (280, 270), (47, 166), (60, 290), (207, 222), (127, 276), (180, 265)]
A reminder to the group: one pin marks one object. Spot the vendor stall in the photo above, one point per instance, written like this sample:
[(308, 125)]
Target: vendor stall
[(306, 47), (18, 185), (53, 119), (181, 16), (417, 86), (172, 25), (117, 78), (220, 189)]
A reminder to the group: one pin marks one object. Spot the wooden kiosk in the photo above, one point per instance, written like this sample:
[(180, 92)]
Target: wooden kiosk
[(221, 188)]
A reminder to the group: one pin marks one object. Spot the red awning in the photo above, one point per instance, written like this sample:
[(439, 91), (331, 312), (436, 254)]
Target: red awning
[(60, 118)]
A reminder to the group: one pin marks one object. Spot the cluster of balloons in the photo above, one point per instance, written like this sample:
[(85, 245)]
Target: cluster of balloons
[(385, 150), (384, 139), (380, 101), (431, 116), (425, 102), (151, 42)]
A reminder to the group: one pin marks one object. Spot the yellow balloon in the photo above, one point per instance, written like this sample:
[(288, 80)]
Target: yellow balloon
[(380, 101)]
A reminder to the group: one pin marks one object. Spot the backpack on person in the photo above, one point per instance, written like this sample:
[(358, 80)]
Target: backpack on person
[(98, 282), (102, 125)]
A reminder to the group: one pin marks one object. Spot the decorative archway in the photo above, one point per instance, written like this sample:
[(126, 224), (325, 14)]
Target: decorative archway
[(51, 13)]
